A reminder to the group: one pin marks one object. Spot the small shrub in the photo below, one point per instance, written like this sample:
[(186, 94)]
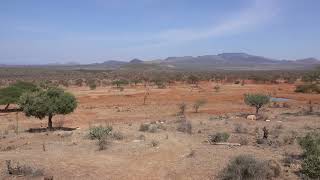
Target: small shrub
[(142, 137), (99, 132), (153, 128), (239, 128), (18, 169), (219, 137), (117, 135), (290, 139), (185, 127), (243, 141), (102, 143), (144, 127), (155, 143), (216, 88), (245, 167), (198, 103), (182, 108)]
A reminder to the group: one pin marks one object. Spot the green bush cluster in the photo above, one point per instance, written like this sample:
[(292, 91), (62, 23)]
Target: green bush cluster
[(245, 167), (311, 161), (308, 88), (99, 132)]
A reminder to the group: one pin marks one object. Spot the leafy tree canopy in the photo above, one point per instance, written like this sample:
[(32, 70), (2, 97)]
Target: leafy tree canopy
[(12, 93), (47, 103), (256, 100)]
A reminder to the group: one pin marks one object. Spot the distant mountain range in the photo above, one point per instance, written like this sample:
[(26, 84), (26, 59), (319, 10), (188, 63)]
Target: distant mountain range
[(224, 61)]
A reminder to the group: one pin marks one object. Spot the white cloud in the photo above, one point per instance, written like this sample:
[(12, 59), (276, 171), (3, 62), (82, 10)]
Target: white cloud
[(258, 13)]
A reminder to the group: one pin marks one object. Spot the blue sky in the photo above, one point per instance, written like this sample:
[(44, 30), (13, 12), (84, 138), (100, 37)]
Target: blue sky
[(85, 31)]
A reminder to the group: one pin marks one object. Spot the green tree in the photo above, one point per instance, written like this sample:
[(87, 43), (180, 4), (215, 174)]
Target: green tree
[(256, 100), (192, 79), (12, 93), (120, 82), (47, 103)]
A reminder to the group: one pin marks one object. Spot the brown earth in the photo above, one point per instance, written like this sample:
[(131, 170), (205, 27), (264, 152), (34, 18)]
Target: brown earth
[(74, 156)]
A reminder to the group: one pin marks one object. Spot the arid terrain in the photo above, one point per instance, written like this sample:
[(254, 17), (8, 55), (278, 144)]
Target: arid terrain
[(163, 153)]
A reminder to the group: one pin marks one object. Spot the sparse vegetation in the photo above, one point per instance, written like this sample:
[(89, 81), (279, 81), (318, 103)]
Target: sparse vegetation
[(185, 127), (245, 167), (198, 104), (219, 137), (182, 108), (239, 128), (155, 143)]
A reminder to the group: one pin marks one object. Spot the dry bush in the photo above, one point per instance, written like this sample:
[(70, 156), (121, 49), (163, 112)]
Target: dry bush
[(117, 135), (155, 143), (144, 127), (153, 128), (198, 104), (102, 143), (239, 128), (99, 132), (291, 138), (185, 127), (219, 137), (244, 141), (245, 167), (18, 169), (182, 108)]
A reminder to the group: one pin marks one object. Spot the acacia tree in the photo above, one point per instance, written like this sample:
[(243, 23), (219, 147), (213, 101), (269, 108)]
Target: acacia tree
[(48, 103), (120, 82), (256, 100), (12, 93)]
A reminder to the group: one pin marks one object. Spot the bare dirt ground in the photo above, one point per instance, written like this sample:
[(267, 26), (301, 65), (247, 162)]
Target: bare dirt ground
[(72, 155)]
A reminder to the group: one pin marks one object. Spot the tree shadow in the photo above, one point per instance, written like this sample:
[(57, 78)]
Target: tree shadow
[(40, 130)]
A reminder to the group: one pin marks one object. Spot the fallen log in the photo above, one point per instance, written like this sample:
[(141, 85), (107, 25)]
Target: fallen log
[(226, 144)]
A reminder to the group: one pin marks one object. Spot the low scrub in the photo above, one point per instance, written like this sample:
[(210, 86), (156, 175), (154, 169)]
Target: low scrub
[(245, 167), (308, 88), (18, 169), (239, 128), (99, 132), (152, 128), (185, 127), (219, 137)]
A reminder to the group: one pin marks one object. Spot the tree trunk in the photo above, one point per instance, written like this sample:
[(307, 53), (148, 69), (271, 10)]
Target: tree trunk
[(50, 122), (7, 107)]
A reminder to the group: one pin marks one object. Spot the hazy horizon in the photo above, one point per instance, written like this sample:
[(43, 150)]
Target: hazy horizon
[(46, 32)]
